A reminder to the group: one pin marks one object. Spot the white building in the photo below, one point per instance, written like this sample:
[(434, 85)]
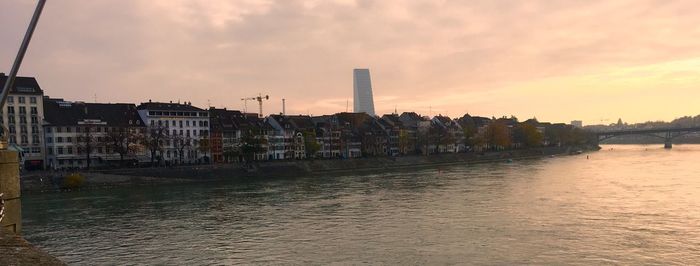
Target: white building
[(82, 135), (22, 117), (185, 127), (363, 101), (577, 123)]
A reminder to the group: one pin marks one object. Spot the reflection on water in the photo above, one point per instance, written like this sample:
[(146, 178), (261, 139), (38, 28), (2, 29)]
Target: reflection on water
[(631, 205)]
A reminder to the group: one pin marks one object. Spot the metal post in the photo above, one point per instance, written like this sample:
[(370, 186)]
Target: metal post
[(22, 50)]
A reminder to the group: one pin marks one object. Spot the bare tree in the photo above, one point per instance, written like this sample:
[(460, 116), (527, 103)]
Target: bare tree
[(155, 141), (87, 141), (124, 141), (181, 144)]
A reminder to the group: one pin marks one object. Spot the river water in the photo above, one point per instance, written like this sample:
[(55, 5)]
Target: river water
[(629, 205)]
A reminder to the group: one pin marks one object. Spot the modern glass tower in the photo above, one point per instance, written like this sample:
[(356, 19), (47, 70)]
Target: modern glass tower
[(363, 102)]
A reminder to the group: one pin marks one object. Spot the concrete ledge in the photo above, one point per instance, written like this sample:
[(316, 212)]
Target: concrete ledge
[(9, 175), (16, 251)]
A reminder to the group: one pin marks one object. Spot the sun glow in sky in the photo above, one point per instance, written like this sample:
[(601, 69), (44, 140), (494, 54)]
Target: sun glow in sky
[(555, 60)]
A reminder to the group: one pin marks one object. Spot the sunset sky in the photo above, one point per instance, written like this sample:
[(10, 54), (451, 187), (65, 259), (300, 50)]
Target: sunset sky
[(557, 60)]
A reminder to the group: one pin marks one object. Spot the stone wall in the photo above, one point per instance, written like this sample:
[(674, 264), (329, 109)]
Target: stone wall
[(9, 186)]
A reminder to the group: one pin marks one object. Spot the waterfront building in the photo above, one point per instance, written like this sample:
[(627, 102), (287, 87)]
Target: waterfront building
[(328, 134), (22, 117), (83, 135), (289, 134), (363, 100), (181, 129), (416, 128), (226, 131), (363, 129), (392, 126), (449, 136)]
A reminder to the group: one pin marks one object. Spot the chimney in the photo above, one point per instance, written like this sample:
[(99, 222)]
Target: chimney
[(284, 109), (149, 100)]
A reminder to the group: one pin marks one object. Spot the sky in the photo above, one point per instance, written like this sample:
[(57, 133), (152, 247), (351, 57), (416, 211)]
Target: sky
[(555, 60)]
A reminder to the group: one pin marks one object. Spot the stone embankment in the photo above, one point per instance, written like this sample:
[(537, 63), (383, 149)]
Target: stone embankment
[(52, 181)]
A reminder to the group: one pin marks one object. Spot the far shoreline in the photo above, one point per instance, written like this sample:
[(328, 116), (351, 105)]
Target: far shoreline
[(49, 182)]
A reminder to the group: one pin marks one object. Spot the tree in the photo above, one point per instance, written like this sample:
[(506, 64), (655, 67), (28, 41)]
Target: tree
[(527, 135), (124, 141), (155, 141), (204, 145), (310, 144), (252, 144), (87, 141), (404, 141), (498, 135), (181, 144)]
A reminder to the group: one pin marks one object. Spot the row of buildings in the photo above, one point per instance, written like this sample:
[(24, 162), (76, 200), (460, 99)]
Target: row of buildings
[(53, 133)]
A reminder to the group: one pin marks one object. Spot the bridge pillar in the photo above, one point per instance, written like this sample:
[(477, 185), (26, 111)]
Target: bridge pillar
[(667, 140)]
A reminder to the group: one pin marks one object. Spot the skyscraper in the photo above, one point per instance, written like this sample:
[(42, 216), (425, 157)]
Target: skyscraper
[(363, 102)]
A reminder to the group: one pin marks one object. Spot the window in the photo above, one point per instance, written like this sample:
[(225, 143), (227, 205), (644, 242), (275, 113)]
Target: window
[(32, 99), (69, 139), (13, 130), (10, 99), (35, 139), (69, 129), (59, 129), (10, 119), (180, 123), (35, 129), (35, 120), (160, 123), (194, 132), (206, 123), (48, 129), (69, 150), (25, 140), (187, 123), (10, 110), (59, 139), (34, 110), (36, 150), (22, 119), (23, 129), (59, 150), (22, 110), (49, 140), (13, 139), (187, 132), (20, 99), (153, 122)]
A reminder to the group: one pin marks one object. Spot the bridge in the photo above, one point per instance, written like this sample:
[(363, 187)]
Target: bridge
[(667, 134)]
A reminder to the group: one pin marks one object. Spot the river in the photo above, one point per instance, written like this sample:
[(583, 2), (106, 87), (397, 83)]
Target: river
[(625, 204)]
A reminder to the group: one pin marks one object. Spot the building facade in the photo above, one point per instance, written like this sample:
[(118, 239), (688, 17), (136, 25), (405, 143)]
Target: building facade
[(22, 117), (85, 135), (363, 101), (179, 132)]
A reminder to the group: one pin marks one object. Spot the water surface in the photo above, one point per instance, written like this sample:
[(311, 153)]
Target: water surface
[(628, 205)]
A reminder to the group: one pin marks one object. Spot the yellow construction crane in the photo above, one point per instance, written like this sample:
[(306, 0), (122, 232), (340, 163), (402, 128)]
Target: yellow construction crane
[(258, 98)]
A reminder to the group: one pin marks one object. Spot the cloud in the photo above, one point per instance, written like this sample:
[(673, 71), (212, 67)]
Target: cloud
[(455, 56)]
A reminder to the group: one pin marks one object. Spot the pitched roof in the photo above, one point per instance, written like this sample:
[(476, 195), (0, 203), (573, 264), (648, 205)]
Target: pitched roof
[(61, 113), (23, 85)]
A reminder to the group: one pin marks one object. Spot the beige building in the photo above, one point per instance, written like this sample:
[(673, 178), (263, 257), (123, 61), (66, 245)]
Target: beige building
[(22, 118)]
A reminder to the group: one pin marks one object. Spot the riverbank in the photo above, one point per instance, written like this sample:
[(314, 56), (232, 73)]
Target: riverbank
[(53, 181)]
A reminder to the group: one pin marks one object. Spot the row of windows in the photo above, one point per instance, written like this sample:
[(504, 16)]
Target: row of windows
[(22, 110), (22, 120), (24, 139), (78, 139), (175, 123), (83, 129), (78, 150), (166, 113), (21, 99), (23, 129)]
